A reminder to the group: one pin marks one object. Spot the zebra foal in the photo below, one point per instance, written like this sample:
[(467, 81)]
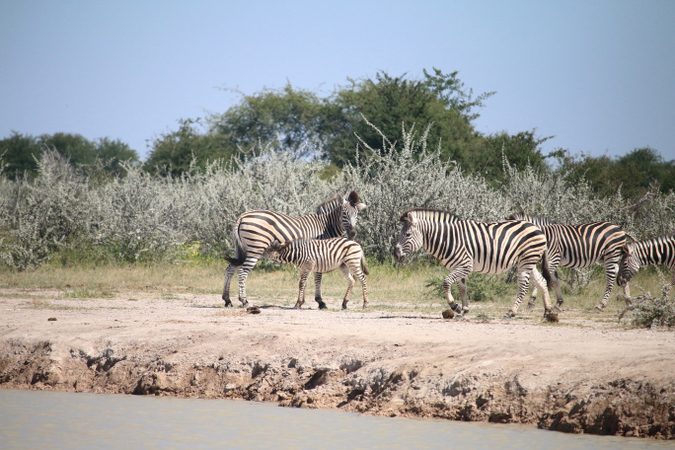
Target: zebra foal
[(255, 230), (465, 246), (323, 256), (578, 247), (659, 250)]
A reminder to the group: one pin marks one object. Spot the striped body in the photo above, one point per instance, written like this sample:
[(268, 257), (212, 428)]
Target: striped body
[(465, 246), (254, 231), (322, 256), (659, 250), (578, 247)]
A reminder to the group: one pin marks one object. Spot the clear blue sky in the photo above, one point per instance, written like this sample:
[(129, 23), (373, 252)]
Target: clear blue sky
[(599, 75)]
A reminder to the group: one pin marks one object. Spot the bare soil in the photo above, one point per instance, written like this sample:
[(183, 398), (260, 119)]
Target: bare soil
[(590, 377)]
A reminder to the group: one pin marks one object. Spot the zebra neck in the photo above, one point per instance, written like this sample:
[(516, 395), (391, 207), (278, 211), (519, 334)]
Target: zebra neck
[(654, 251), (332, 223)]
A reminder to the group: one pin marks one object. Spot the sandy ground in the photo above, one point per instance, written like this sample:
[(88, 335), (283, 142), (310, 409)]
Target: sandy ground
[(588, 377)]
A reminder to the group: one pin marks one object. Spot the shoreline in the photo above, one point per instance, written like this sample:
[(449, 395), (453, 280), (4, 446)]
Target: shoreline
[(590, 378)]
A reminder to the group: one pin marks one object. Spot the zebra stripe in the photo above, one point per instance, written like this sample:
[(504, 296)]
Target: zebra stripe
[(255, 230), (578, 247), (465, 246), (659, 250), (323, 256)]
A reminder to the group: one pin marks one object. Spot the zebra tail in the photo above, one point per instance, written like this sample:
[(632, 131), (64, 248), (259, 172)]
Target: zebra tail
[(546, 271), (240, 250), (364, 267)]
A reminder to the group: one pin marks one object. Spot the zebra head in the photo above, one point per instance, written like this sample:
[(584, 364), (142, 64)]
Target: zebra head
[(410, 239), (630, 264), (276, 251), (351, 205)]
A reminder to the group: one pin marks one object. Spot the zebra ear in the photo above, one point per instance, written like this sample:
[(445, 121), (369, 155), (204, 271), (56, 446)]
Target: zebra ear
[(354, 199), (406, 217), (275, 245)]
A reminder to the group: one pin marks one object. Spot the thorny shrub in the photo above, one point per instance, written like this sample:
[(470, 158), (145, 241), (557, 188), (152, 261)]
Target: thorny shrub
[(149, 217)]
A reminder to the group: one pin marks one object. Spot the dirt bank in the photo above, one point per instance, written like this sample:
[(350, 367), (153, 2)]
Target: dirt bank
[(582, 377)]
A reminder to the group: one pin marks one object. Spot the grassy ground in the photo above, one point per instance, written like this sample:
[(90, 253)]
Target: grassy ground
[(414, 290)]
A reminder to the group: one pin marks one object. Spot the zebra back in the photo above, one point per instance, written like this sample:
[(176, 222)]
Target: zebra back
[(537, 220), (660, 250), (327, 254)]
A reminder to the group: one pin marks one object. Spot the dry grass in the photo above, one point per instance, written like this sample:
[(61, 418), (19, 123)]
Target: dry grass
[(391, 290)]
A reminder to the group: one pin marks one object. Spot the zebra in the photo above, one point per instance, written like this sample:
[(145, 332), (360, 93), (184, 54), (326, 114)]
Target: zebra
[(323, 256), (255, 230), (659, 250), (577, 247), (465, 246)]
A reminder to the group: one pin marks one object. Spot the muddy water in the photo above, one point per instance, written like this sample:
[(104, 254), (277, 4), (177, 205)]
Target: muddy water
[(39, 419)]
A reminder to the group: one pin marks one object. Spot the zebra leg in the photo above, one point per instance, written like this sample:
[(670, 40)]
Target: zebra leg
[(317, 290), (611, 270), (533, 299), (540, 284), (229, 273), (244, 270), (345, 271), (364, 287), (555, 281), (461, 287), (457, 274), (523, 286), (305, 271)]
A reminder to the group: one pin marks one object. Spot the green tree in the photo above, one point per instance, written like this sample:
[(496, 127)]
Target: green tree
[(112, 153), (75, 147), (173, 153), (19, 153), (389, 102), (520, 150), (633, 173), (291, 116)]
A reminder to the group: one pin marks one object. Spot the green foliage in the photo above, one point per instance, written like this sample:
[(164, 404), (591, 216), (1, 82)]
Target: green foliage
[(177, 152), (387, 102), (635, 174), (520, 150), (480, 287), (19, 154), (290, 117), (647, 311)]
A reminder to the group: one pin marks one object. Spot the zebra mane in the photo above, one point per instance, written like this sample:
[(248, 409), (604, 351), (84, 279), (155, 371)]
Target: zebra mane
[(536, 220), (437, 215), (329, 205)]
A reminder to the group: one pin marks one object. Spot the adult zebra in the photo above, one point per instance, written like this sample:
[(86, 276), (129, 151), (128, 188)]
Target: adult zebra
[(465, 246), (255, 230), (577, 247), (659, 250)]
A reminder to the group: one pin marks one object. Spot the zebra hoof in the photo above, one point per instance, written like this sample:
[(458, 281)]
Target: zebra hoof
[(531, 305), (598, 309), (457, 308), (228, 303), (509, 315), (322, 305), (244, 303), (344, 306)]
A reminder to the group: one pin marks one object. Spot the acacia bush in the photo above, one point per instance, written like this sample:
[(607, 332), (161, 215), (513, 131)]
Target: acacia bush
[(147, 217)]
